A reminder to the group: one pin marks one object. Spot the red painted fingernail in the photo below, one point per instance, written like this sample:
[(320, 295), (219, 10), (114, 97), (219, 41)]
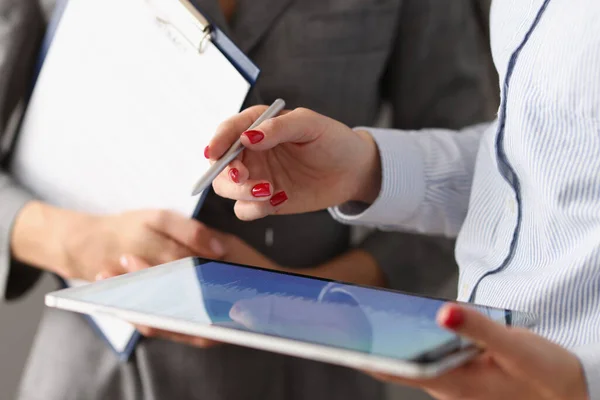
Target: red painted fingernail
[(278, 198), (261, 190), (454, 318), (206, 152), (254, 136), (234, 174)]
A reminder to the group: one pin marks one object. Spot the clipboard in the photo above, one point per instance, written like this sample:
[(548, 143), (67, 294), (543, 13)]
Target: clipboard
[(185, 25)]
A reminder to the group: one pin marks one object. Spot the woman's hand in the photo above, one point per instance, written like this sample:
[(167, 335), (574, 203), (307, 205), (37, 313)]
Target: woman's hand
[(155, 236), (298, 162), (79, 246), (516, 364)]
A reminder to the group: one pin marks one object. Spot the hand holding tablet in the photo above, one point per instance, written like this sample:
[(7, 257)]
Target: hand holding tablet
[(350, 325)]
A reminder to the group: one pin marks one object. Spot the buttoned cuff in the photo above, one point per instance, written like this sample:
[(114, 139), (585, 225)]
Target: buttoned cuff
[(589, 356), (402, 185)]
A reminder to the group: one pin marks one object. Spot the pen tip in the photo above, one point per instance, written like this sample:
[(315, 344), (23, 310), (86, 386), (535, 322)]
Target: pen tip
[(196, 191)]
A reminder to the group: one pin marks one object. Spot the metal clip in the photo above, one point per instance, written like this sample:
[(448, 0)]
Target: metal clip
[(182, 16)]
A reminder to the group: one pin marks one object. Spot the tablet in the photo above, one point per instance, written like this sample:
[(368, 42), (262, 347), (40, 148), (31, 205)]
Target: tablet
[(350, 325)]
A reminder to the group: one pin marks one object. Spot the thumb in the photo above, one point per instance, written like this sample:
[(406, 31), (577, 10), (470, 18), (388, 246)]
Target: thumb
[(520, 353), (472, 324), (106, 274), (131, 263), (127, 263)]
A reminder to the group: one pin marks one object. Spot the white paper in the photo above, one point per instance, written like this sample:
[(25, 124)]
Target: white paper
[(121, 114), (116, 331)]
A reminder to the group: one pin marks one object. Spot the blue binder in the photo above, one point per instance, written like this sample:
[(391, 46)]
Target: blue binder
[(234, 55)]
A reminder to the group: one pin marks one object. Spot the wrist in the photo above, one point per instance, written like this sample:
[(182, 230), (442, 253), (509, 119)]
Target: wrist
[(39, 235), (369, 172)]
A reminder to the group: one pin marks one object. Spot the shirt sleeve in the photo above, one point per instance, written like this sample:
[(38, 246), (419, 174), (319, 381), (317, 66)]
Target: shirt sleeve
[(589, 356), (426, 181)]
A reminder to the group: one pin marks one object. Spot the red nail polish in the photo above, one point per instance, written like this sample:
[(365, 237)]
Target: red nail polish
[(206, 150), (234, 174), (278, 198), (254, 136), (454, 318), (261, 190)]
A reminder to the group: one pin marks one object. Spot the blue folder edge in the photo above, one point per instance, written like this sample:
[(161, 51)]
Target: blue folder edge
[(236, 57)]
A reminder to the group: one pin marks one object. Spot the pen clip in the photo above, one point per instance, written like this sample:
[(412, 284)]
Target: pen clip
[(182, 16)]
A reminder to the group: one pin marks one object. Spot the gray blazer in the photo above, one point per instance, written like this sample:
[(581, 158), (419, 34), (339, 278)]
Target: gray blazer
[(428, 59)]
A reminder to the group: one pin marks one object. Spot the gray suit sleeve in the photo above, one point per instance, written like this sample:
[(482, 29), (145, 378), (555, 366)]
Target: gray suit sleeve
[(439, 75), (15, 278), (21, 30)]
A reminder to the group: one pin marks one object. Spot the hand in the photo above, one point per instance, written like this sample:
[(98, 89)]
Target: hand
[(79, 246), (156, 237), (131, 263), (298, 162), (516, 364)]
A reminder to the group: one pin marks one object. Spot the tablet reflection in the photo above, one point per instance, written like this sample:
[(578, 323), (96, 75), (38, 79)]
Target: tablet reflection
[(341, 323), (308, 310)]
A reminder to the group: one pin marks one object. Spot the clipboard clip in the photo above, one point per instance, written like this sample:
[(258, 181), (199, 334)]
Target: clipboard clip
[(182, 17)]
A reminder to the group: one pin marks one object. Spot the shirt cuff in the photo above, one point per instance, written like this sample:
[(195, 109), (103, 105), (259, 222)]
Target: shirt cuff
[(589, 356), (12, 200), (402, 184)]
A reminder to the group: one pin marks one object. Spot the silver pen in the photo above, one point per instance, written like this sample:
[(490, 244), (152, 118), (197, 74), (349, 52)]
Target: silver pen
[(206, 180)]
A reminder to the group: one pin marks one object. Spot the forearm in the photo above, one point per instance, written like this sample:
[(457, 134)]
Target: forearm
[(38, 235), (355, 266)]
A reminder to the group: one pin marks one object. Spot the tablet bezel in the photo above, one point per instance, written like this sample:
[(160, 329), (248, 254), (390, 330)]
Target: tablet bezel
[(64, 299)]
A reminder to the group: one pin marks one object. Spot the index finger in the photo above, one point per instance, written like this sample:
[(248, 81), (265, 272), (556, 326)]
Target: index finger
[(188, 232), (176, 337), (230, 130)]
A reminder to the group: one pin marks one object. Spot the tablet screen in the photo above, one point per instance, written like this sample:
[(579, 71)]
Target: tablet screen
[(379, 322)]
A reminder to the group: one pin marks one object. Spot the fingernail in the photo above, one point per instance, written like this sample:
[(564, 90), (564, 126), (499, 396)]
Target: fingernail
[(261, 190), (234, 174), (217, 247), (124, 261), (254, 136), (100, 277), (453, 319), (206, 152), (278, 198)]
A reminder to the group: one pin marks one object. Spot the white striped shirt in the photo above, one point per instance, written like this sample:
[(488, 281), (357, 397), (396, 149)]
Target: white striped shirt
[(522, 193)]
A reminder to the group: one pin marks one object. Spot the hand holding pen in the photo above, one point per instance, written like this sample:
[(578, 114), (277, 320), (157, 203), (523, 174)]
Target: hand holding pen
[(297, 162)]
